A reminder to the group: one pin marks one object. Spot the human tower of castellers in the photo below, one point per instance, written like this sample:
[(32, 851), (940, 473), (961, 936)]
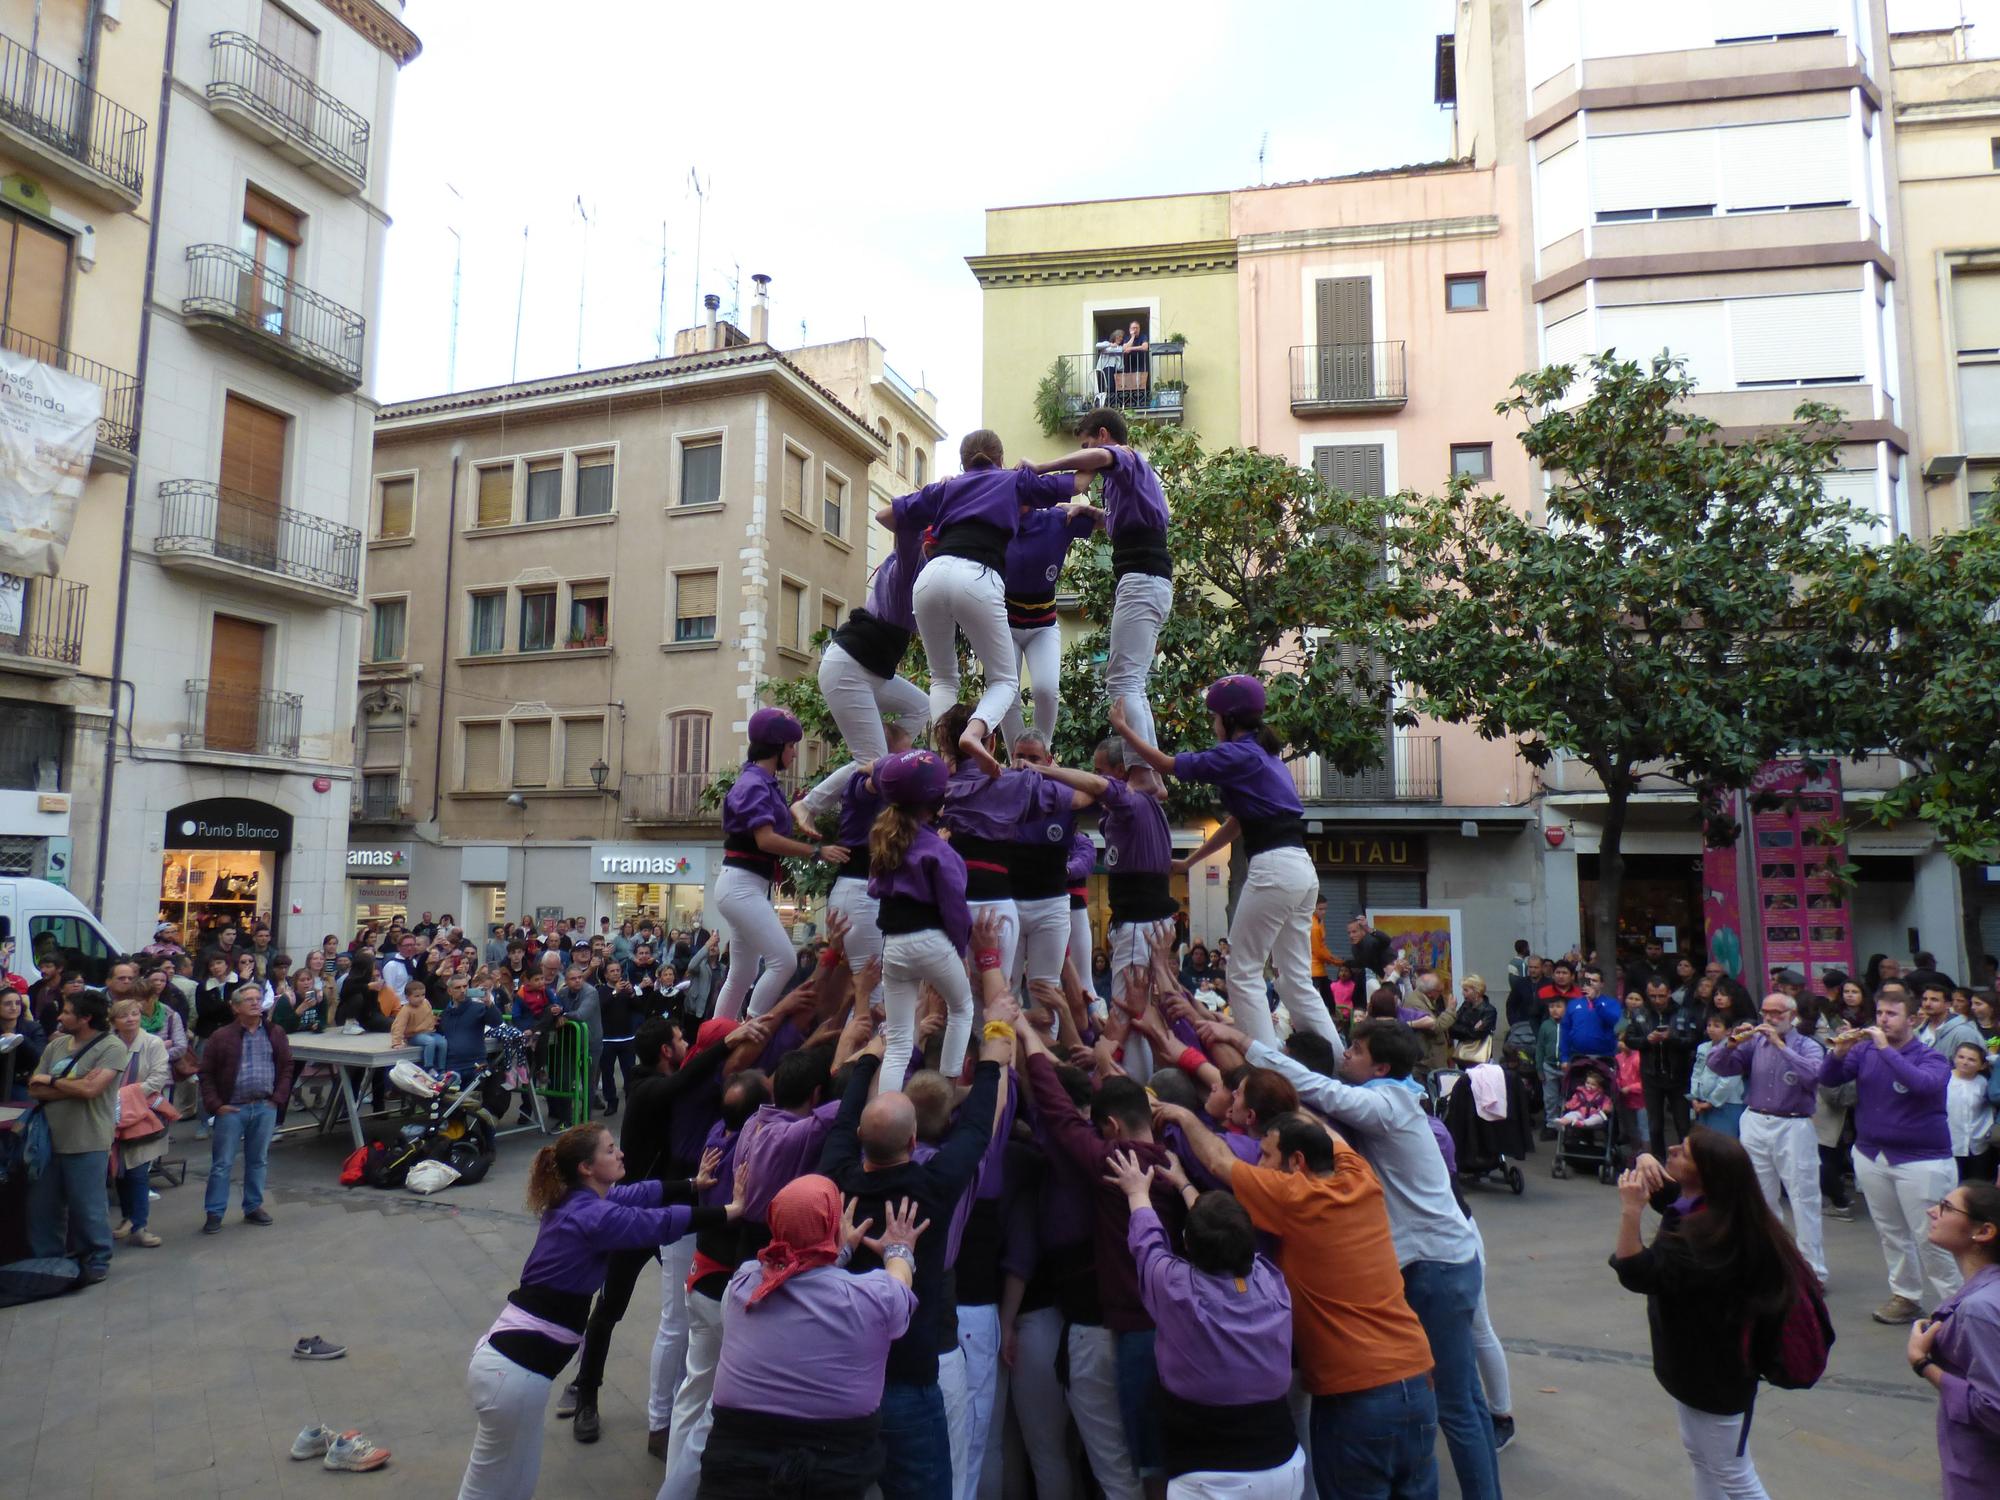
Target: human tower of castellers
[(932, 1215)]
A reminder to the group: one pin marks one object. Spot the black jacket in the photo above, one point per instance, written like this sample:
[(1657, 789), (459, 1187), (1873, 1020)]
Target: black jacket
[(1696, 1316), (358, 1003), (1474, 1023), (646, 1137), (1669, 1063), (1374, 951)]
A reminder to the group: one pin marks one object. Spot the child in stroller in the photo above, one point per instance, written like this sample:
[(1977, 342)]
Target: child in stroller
[(1587, 1132)]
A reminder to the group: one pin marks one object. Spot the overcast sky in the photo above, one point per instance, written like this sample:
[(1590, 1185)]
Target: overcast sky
[(846, 151)]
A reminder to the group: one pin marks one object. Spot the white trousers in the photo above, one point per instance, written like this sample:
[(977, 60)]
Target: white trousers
[(1039, 651), (1286, 1482), (951, 1387), (513, 1405), (1079, 941), (979, 1343), (909, 961), (1785, 1154), (1899, 1200), (670, 1344), (956, 594), (1041, 1413), (1045, 935), (1487, 1351), (864, 936), (1274, 921), (754, 932), (692, 1414), (1093, 1402), (1139, 607), (1711, 1443), (859, 701)]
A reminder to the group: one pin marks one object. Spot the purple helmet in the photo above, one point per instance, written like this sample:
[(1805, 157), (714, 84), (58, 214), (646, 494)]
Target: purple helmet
[(774, 726), (912, 778), (1230, 696)]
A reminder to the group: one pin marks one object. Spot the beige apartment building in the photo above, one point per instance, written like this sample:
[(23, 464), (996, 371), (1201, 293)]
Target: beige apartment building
[(575, 588), (80, 102)]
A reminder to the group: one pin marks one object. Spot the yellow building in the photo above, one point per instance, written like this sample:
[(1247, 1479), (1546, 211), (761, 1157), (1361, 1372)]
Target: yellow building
[(79, 107)]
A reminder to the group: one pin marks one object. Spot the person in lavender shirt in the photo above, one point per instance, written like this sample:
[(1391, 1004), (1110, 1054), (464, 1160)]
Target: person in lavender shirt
[(1224, 1327), (961, 589), (1034, 568), (1274, 914), (1957, 1350), (576, 1189), (1038, 857), (754, 816), (1781, 1068), (1082, 862), (854, 793), (805, 1345), (918, 882)]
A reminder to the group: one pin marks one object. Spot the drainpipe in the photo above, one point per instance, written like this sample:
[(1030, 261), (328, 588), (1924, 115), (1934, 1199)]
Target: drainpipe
[(444, 637), (132, 479)]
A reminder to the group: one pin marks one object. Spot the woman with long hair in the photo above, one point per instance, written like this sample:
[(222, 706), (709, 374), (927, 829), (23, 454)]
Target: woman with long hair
[(1957, 1349), (755, 815), (918, 882), (1721, 1261), (576, 1188)]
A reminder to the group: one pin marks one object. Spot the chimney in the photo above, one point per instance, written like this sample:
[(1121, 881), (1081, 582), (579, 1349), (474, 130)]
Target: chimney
[(760, 311), (711, 302)]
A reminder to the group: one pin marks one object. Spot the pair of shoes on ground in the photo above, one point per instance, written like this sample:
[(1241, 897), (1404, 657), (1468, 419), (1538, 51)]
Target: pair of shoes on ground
[(572, 1404), (213, 1223), (350, 1450)]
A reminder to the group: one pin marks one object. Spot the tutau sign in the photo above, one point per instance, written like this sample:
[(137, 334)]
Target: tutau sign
[(229, 823), (1368, 851)]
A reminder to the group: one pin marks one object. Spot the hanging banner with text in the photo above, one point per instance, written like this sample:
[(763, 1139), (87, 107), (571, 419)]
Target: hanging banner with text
[(1804, 918), (48, 429)]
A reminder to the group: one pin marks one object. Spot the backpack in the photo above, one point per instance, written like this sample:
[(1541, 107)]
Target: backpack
[(1792, 1351), (385, 1166), (352, 1168), (1521, 1038)]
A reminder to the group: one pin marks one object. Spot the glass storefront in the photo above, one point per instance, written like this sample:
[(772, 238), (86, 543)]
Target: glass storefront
[(484, 905), (665, 884), (670, 907), (205, 890)]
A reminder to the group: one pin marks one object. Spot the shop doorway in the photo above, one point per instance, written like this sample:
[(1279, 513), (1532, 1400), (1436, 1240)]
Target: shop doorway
[(222, 865), (1660, 891)]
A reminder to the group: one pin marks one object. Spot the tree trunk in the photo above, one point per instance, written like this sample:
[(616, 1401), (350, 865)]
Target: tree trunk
[(1610, 880)]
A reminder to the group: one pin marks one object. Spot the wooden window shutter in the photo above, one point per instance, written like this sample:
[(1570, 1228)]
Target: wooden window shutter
[(482, 757), (1975, 310), (531, 752), (34, 279), (695, 594), (253, 449), (271, 216), (397, 498), (689, 733), (583, 743), (1353, 467), (496, 495), (1345, 310), (382, 750)]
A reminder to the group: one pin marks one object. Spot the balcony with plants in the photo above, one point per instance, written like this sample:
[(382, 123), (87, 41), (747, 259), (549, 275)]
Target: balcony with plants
[(1147, 385)]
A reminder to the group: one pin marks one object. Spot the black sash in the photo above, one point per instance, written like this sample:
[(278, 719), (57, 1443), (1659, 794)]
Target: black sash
[(1140, 896), (1260, 834), (1141, 549), (977, 541), (875, 645)]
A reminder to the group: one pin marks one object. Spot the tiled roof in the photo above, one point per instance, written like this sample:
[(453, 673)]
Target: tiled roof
[(1413, 169)]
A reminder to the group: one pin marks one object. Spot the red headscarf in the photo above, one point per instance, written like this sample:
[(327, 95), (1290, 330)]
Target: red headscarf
[(710, 1034), (805, 1232)]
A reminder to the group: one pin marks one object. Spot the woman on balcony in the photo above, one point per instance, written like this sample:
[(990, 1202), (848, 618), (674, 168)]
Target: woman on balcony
[(1110, 365)]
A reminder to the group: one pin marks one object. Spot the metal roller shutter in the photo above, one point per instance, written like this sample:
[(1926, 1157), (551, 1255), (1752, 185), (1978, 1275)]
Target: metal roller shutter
[(1811, 337), (482, 757), (1672, 169), (531, 753), (1799, 161)]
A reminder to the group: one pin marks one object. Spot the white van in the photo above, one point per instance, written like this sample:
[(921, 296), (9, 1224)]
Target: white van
[(38, 919)]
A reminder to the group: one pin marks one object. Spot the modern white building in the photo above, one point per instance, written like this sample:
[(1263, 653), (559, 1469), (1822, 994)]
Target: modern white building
[(242, 620)]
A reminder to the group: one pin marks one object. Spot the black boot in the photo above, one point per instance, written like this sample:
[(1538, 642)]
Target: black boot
[(586, 1419)]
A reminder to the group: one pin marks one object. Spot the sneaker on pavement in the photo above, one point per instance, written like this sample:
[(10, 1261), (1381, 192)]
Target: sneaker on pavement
[(94, 1274), (587, 1428), (1841, 1211), (123, 1231), (566, 1403), (212, 1224), (312, 1441), (258, 1217), (656, 1441), (1503, 1432), (312, 1346), (1896, 1310), (145, 1239), (355, 1453)]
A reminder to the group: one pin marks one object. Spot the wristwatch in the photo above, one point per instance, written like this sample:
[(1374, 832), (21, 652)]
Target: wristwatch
[(1918, 1366)]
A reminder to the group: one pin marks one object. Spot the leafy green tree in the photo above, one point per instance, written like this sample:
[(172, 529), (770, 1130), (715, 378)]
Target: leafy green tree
[(1652, 624)]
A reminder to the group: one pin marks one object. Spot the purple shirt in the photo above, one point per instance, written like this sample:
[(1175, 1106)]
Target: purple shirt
[(1781, 1080), (1968, 1420), (860, 805), (1132, 494), (1000, 808), (1899, 1106), (1040, 547), (756, 800), (932, 872), (779, 1147), (815, 1349), (1227, 1336), (576, 1237), (1137, 839), (1065, 1214), (720, 1137), (1082, 859), (983, 493), (1447, 1148), (1252, 783), (894, 582)]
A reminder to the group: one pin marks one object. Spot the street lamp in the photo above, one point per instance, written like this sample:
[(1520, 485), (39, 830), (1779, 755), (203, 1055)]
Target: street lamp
[(599, 771)]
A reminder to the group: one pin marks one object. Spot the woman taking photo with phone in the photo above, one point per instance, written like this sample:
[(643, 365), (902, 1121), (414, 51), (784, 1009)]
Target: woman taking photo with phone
[(1958, 1349)]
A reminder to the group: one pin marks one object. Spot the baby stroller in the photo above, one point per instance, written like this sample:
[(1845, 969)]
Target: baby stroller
[(1486, 1149), (458, 1127), (1590, 1146)]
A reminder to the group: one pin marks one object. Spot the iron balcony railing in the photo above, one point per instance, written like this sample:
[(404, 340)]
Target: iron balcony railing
[(211, 520), (118, 425), (63, 112), (1149, 384), (676, 796), (1410, 772), (230, 285), (258, 80), (379, 799), (1327, 377), (51, 623), (248, 721)]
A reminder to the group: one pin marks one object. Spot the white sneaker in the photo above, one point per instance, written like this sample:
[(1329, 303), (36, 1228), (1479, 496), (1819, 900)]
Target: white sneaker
[(312, 1441), (353, 1452)]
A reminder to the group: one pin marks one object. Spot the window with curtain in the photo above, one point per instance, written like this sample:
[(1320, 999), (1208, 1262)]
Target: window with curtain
[(694, 606), (583, 745), (593, 484), (796, 464), (836, 503), (701, 472), (791, 615), (589, 614), (386, 635), (393, 514), (496, 495), (830, 611), (270, 235), (482, 757), (487, 626), (545, 489), (538, 620), (531, 752)]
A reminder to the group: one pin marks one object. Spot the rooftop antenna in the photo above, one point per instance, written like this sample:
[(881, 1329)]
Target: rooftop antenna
[(520, 291), (660, 333), (700, 208), (582, 277), (457, 270), (1262, 141)]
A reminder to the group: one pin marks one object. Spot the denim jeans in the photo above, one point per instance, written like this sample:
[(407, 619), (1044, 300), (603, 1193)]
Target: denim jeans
[(1377, 1444), (917, 1442), (247, 1131), (135, 1198), (1444, 1297), (1139, 1401), (431, 1049), (68, 1212)]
